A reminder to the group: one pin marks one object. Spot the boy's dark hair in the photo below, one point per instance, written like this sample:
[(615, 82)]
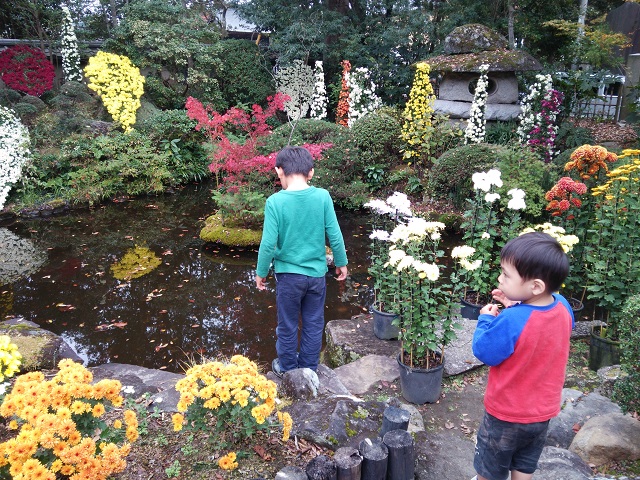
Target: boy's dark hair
[(294, 160), (537, 255)]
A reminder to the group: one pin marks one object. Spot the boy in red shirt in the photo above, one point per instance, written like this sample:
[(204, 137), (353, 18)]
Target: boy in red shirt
[(527, 347)]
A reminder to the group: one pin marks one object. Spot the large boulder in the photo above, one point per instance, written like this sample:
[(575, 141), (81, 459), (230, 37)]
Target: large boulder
[(608, 438)]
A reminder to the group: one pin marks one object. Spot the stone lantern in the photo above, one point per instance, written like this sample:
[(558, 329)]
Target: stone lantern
[(466, 48)]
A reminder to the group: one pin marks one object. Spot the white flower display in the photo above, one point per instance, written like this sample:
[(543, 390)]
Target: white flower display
[(14, 151), (319, 101), (70, 54), (362, 94), (296, 81), (476, 125), (400, 203), (491, 197)]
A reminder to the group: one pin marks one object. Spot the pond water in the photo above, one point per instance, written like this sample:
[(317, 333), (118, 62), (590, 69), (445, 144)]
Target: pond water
[(200, 301)]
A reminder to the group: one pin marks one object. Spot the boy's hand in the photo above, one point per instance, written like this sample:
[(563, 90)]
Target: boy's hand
[(342, 273), (499, 296), (260, 283), (490, 309)]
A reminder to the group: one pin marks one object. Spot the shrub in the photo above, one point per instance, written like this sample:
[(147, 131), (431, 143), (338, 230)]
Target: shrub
[(450, 175), (26, 69), (524, 169), (501, 133), (627, 389), (377, 136), (9, 96), (306, 131)]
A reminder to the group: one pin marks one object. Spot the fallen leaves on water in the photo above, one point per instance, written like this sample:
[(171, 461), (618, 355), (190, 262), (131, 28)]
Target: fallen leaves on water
[(63, 307), (109, 326)]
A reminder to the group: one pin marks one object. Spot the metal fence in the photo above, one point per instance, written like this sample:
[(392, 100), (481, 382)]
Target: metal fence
[(604, 107)]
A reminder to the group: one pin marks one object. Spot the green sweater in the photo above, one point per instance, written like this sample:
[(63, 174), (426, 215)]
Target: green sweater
[(296, 225)]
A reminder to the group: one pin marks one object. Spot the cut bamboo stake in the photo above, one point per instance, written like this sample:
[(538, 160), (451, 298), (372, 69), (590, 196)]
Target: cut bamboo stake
[(322, 468), (375, 455), (394, 418), (349, 463), (401, 456)]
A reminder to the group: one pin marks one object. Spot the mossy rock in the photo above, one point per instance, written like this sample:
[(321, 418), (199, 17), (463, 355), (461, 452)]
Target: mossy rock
[(40, 349), (216, 232)]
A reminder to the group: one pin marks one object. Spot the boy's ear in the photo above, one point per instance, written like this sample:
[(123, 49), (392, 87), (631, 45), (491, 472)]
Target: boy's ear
[(538, 286), (310, 176)]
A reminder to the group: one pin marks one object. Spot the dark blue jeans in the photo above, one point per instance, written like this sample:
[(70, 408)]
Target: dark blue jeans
[(299, 295)]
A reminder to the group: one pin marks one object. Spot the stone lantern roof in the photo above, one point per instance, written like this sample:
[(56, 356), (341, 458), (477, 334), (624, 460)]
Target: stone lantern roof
[(469, 46)]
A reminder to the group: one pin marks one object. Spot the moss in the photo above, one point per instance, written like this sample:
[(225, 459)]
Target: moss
[(361, 413), (33, 345), (214, 231), (138, 261), (350, 432)]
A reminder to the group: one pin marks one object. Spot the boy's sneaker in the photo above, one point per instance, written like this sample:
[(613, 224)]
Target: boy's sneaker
[(475, 478), (276, 369)]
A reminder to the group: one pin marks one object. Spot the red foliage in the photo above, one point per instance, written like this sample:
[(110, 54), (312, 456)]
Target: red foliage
[(233, 158), (26, 69), (342, 114)]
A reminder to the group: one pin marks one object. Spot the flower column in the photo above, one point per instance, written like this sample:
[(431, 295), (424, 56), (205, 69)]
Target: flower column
[(14, 151), (70, 55), (475, 130)]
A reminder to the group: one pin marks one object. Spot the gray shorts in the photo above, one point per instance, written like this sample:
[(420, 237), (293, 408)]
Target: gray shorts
[(505, 446)]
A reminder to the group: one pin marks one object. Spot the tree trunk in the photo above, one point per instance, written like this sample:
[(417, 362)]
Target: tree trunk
[(114, 13), (512, 14)]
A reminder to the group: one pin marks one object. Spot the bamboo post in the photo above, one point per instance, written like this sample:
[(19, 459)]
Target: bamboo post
[(401, 455), (394, 418), (322, 468), (348, 463), (375, 456)]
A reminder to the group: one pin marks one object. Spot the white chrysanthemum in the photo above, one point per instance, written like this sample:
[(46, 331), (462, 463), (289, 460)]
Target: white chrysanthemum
[(379, 206), (462, 251), (405, 262), (494, 177), (69, 50), (485, 235), (400, 203), (296, 81), (516, 193), (395, 255), (481, 182), (491, 197), (14, 151), (318, 107), (382, 235), (516, 204), (467, 265)]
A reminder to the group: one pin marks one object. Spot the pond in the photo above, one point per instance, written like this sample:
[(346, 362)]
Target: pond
[(200, 301)]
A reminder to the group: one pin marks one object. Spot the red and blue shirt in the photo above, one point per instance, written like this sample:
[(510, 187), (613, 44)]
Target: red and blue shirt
[(527, 348)]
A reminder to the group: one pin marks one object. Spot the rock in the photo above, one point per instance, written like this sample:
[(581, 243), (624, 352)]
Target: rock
[(158, 383), (348, 340), (558, 463), (473, 38), (336, 421), (577, 408), (444, 456), (608, 438), (359, 376), (40, 349), (608, 376), (300, 384)]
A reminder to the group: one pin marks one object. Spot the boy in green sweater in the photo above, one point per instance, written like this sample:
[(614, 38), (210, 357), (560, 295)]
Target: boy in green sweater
[(297, 221)]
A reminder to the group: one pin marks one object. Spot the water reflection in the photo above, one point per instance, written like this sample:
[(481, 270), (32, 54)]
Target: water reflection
[(199, 301)]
